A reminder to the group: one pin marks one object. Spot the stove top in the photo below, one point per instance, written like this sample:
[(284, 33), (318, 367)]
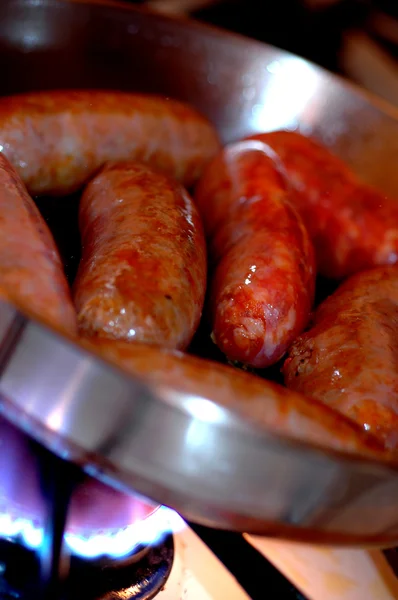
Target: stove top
[(181, 567), (202, 564), (123, 549), (64, 536)]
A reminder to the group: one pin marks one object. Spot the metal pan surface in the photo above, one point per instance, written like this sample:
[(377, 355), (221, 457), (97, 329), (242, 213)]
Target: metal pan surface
[(239, 476)]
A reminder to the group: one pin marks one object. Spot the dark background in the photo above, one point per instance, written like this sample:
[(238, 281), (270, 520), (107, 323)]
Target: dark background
[(321, 31)]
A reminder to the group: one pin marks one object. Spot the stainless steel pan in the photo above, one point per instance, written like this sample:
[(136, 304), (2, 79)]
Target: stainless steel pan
[(233, 474)]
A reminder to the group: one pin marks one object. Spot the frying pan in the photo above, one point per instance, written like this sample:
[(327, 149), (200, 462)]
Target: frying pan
[(204, 460)]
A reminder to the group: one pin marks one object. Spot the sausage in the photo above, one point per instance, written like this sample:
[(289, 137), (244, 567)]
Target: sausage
[(264, 272), (266, 404), (348, 359), (57, 140), (31, 271), (142, 275), (353, 226)]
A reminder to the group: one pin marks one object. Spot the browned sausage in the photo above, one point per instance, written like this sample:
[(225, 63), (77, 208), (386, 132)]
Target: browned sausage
[(143, 271), (263, 284), (353, 226), (58, 140), (266, 404), (349, 358), (31, 271)]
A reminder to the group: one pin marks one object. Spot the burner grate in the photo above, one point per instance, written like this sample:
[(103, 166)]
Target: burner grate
[(142, 580)]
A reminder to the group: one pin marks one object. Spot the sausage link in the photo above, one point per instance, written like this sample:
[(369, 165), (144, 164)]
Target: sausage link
[(264, 403), (353, 226), (348, 359), (31, 271), (264, 273), (58, 140), (143, 270)]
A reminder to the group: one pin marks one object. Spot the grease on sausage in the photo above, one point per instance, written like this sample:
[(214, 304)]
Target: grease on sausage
[(31, 271), (57, 140), (142, 275), (349, 358), (353, 226), (264, 272)]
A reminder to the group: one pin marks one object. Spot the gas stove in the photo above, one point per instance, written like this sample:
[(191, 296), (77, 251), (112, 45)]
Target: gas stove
[(66, 536), (183, 566), (139, 577), (89, 542), (179, 567)]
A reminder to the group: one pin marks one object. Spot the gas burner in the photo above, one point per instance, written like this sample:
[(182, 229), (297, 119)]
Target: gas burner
[(75, 537), (142, 578)]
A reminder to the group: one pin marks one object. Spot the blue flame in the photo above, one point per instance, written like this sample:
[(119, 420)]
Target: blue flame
[(116, 544)]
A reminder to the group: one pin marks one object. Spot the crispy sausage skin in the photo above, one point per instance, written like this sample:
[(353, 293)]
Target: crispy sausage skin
[(31, 271), (264, 403), (353, 226), (263, 281), (58, 140), (142, 276), (348, 359)]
